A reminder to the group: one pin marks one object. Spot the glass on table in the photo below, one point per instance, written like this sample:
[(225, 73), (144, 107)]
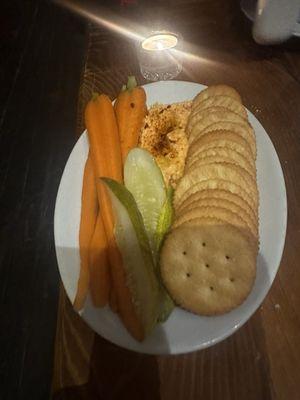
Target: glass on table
[(159, 56)]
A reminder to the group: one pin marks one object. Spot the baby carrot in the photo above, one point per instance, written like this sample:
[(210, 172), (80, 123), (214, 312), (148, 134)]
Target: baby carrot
[(99, 267), (130, 108), (89, 211)]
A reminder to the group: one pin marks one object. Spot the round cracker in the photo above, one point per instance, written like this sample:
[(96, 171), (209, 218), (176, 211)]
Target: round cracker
[(191, 211), (208, 269), (202, 160), (219, 184), (221, 101), (224, 171), (216, 90), (221, 138), (201, 120), (243, 129), (217, 194)]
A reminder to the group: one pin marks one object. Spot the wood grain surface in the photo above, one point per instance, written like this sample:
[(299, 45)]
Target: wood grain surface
[(261, 361)]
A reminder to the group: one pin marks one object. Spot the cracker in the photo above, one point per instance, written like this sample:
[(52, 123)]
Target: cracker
[(222, 213), (235, 156), (201, 120), (217, 194), (219, 184), (208, 269), (224, 171), (221, 138), (216, 90), (243, 129), (221, 101), (191, 212), (200, 221), (201, 159)]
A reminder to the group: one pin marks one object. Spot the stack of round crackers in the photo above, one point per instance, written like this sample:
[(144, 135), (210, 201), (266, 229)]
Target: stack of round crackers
[(208, 261)]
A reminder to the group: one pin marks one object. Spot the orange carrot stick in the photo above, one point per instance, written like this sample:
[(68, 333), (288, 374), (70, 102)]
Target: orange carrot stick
[(130, 108), (89, 211), (106, 156), (99, 266)]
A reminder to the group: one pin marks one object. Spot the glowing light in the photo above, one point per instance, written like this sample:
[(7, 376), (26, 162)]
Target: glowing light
[(161, 41)]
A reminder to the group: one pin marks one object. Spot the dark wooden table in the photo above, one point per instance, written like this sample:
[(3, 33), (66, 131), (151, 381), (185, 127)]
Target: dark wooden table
[(40, 122)]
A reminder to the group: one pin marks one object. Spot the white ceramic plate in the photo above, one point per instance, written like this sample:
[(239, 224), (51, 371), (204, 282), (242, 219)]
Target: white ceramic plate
[(183, 332)]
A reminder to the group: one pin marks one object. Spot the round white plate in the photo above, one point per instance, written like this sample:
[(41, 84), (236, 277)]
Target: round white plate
[(183, 332)]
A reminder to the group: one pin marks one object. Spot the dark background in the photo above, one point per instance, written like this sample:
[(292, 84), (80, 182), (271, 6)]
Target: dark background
[(42, 51)]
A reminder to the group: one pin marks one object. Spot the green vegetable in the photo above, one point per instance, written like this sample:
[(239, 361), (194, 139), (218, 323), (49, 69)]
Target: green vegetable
[(143, 178), (165, 219), (148, 205), (137, 256), (166, 306), (131, 84), (164, 223)]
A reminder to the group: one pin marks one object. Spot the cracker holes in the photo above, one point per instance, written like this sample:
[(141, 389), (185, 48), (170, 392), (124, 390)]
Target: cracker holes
[(227, 257), (188, 275), (211, 288), (203, 244), (207, 265), (231, 279), (184, 253)]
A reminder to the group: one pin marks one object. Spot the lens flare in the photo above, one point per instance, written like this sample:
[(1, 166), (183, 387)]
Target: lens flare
[(104, 17)]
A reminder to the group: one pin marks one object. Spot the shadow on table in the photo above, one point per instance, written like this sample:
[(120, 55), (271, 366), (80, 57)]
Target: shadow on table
[(116, 373)]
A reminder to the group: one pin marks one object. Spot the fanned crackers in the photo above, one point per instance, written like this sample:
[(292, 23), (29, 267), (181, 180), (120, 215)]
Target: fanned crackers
[(208, 260)]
